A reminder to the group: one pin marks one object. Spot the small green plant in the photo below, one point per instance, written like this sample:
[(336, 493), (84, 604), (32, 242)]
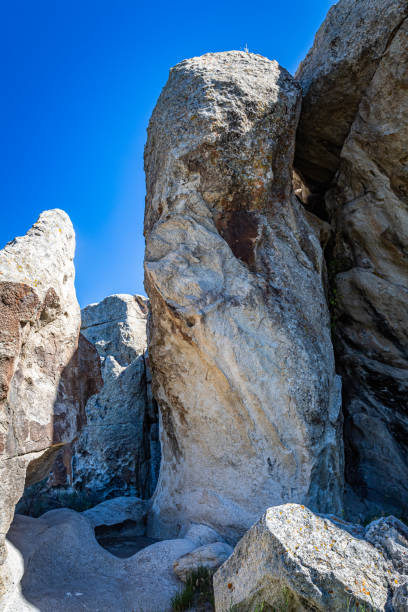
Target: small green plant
[(360, 607), (357, 607), (184, 599), (197, 590), (286, 598)]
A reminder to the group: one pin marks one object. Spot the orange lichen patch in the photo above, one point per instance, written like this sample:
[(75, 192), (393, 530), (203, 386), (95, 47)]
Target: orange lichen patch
[(230, 585)]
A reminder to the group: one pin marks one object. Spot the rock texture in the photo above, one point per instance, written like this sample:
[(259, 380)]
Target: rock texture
[(239, 336), (369, 207), (355, 120), (41, 397), (210, 556), (295, 560), (117, 510), (334, 76), (67, 570), (118, 449)]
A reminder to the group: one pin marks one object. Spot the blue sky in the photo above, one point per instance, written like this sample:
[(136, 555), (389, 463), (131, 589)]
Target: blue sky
[(80, 79)]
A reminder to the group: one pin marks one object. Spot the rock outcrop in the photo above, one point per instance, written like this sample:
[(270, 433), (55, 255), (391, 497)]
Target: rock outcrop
[(335, 75), (118, 510), (66, 570), (295, 560), (118, 449), (41, 396), (355, 80), (242, 361)]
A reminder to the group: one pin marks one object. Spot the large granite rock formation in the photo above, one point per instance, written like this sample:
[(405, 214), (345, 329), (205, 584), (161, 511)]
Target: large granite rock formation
[(118, 449), (294, 560), (334, 76), (240, 346), (359, 65), (41, 395)]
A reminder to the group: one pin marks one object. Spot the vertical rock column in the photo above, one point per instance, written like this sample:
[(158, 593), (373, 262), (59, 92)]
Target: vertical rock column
[(240, 346), (118, 451), (369, 208), (39, 327), (352, 137)]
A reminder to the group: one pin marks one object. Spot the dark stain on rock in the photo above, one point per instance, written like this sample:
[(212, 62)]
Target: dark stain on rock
[(40, 468), (240, 229), (143, 304), (61, 470), (170, 429), (80, 379)]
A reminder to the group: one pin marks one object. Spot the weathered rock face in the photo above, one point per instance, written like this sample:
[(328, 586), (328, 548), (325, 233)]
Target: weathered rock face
[(369, 208), (117, 327), (239, 336), (355, 80), (67, 570), (210, 556), (40, 397), (334, 76), (118, 450), (118, 510), (295, 560)]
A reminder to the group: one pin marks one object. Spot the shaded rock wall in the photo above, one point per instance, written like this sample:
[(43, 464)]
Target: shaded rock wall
[(39, 327), (334, 76), (118, 450), (355, 121), (369, 207), (240, 347)]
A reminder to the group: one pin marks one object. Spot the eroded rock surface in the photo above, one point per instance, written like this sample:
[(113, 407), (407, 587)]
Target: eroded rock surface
[(67, 570), (117, 510), (355, 121), (295, 560), (335, 75), (118, 449), (239, 336), (210, 556), (369, 209), (40, 399)]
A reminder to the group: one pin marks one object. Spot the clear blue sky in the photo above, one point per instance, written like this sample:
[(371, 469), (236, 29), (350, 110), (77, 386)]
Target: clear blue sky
[(80, 79)]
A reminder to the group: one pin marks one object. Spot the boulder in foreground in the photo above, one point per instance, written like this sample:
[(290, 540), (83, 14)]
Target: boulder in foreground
[(295, 560)]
